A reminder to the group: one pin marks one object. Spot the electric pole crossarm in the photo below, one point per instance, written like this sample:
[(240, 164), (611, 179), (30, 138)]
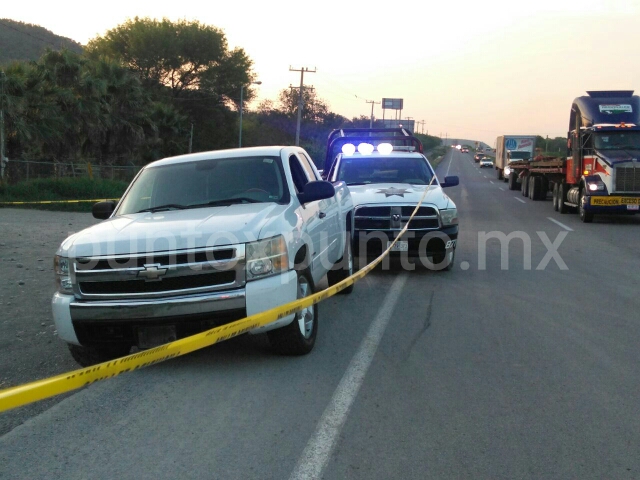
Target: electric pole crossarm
[(300, 98)]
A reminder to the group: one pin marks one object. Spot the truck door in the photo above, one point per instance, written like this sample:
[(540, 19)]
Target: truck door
[(313, 216)]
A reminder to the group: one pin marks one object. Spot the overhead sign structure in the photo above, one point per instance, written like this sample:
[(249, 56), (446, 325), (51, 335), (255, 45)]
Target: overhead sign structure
[(392, 103)]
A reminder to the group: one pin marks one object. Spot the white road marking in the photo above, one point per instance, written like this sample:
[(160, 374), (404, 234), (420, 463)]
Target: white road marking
[(316, 454), (491, 181), (501, 188), (450, 160), (519, 199), (561, 224)]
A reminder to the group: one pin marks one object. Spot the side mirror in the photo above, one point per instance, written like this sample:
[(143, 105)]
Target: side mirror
[(103, 210), (450, 181), (318, 190)]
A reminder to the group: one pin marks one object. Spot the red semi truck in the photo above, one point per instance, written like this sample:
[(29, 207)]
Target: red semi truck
[(601, 172)]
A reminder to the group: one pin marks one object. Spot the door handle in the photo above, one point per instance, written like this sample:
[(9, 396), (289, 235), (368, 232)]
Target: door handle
[(322, 214)]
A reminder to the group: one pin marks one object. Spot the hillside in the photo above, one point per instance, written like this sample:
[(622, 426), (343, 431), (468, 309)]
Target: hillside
[(24, 41)]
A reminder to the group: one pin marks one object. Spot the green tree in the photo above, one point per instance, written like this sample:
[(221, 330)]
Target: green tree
[(183, 55)]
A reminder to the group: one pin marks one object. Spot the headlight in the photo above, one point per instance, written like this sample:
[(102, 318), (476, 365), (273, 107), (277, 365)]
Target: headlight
[(61, 269), (266, 257), (449, 217), (596, 186), (507, 171)]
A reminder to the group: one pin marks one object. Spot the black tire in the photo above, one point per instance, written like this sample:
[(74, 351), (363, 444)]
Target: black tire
[(525, 186), (299, 337), (513, 181), (499, 173), (555, 197), (532, 188), (585, 216), (438, 259), (87, 356), (343, 268), (562, 197), (535, 188)]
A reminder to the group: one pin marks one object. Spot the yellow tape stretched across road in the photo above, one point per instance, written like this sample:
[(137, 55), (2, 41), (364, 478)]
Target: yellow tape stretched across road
[(46, 202), (40, 389)]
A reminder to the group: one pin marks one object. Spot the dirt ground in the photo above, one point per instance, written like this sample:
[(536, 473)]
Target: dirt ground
[(29, 346)]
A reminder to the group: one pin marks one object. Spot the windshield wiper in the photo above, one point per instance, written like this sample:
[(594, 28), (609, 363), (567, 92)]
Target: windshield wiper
[(227, 201), (359, 183), (159, 208)]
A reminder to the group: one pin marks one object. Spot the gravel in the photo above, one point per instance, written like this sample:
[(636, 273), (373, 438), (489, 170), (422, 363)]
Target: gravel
[(29, 347)]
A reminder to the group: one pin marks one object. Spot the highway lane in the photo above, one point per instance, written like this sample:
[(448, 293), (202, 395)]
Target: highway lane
[(475, 373)]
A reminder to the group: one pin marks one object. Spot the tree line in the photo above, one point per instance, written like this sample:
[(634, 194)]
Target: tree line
[(149, 89)]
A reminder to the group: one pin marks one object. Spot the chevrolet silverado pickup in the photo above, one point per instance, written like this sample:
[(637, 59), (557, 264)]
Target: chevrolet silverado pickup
[(201, 240)]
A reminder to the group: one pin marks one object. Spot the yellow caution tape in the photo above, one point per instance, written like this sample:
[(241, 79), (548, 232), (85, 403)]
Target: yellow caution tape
[(44, 202), (40, 389)]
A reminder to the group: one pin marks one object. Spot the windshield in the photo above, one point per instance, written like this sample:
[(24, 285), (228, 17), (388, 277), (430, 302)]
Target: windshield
[(363, 171), (617, 141), (519, 155), (206, 183)]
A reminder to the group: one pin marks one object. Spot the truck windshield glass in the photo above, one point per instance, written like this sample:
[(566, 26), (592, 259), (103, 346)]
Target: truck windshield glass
[(519, 155), (204, 183), (617, 140), (363, 171)]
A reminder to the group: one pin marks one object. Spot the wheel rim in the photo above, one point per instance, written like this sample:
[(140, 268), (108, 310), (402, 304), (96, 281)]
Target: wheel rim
[(305, 316), (580, 204), (350, 260)]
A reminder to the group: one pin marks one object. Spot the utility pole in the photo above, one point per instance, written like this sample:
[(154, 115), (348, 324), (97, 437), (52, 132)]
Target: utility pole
[(191, 139), (3, 159), (372, 102), (300, 98)]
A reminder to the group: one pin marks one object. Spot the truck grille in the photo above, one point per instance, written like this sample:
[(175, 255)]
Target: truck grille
[(159, 274), (627, 179), (394, 218)]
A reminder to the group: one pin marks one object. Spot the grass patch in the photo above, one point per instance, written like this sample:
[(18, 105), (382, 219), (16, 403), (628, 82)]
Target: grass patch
[(436, 155), (61, 189)]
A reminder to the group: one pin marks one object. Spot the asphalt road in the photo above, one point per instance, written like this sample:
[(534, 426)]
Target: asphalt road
[(496, 371)]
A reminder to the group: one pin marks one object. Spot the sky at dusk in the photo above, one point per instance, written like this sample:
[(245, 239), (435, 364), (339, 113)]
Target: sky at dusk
[(472, 70)]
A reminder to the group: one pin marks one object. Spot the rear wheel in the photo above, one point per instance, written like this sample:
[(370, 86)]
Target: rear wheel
[(90, 355), (299, 337), (555, 197), (533, 188), (513, 181), (525, 186), (498, 173), (562, 197), (343, 268)]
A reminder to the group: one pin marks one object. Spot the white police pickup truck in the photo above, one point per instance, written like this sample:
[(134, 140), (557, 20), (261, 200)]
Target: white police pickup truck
[(201, 240), (387, 174)]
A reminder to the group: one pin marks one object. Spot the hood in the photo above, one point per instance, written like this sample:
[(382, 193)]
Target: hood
[(618, 156), (173, 230), (399, 193)]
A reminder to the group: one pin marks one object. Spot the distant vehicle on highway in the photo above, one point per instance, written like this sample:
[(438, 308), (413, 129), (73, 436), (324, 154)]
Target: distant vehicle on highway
[(486, 162), (464, 150), (478, 156)]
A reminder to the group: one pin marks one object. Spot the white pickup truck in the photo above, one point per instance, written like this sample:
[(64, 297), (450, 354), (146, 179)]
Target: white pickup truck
[(201, 240)]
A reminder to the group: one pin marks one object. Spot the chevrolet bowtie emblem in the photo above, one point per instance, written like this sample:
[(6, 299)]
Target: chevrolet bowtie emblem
[(152, 272), (388, 192), (395, 217)]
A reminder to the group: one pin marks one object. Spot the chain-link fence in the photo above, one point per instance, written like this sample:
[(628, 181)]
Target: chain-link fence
[(22, 170)]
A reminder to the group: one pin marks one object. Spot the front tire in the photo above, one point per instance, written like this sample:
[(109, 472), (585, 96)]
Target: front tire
[(299, 337), (513, 181), (562, 197), (585, 216), (343, 268), (91, 355)]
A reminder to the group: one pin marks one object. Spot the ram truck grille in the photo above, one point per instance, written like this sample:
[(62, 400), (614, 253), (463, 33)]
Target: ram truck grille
[(394, 218)]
